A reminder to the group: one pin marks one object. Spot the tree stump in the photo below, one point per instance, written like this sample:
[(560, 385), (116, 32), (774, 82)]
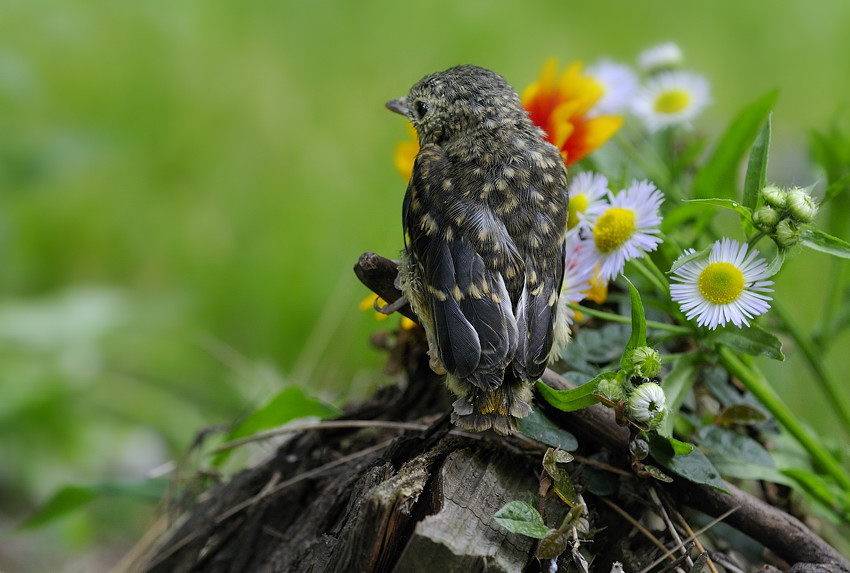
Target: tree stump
[(421, 497)]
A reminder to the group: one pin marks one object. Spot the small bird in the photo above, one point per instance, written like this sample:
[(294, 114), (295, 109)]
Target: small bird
[(484, 220)]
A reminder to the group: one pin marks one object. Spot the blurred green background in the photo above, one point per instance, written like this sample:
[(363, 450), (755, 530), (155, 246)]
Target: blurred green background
[(186, 185)]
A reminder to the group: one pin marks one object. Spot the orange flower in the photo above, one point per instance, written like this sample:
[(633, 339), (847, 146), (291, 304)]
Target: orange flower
[(405, 153), (560, 105)]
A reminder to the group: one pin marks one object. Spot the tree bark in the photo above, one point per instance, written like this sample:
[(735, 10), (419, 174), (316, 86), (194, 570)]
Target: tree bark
[(423, 498)]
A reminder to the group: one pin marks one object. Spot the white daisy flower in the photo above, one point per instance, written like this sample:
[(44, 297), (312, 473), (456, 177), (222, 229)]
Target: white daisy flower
[(671, 98), (619, 83), (578, 271), (587, 190), (624, 228), (726, 286), (662, 56), (647, 404)]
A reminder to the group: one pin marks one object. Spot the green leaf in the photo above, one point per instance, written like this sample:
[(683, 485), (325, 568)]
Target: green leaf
[(538, 427), (561, 481), (836, 188), (677, 383), (571, 400), (520, 517), (684, 259), (776, 263), (743, 414), (754, 181), (817, 240), (723, 442), (811, 483), (693, 466), (65, 500), (287, 405), (290, 403), (753, 340), (70, 498), (720, 172), (738, 456), (730, 204), (638, 336), (680, 448)]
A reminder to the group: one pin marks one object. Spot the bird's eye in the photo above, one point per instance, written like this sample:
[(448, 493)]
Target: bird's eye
[(421, 108)]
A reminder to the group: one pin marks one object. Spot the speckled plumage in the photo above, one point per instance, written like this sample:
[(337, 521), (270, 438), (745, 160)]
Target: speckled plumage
[(484, 219)]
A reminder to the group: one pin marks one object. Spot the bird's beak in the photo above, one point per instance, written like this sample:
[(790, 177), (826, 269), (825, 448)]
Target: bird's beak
[(398, 105)]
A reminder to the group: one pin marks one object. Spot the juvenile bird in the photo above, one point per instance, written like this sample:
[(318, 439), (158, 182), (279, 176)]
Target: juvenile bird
[(484, 220)]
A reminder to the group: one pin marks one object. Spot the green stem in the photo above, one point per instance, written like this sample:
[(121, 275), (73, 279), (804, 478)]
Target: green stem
[(814, 358), (613, 317), (758, 386), (653, 275)]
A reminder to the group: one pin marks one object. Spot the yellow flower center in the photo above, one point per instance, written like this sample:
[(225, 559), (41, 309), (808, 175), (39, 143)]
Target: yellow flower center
[(577, 205), (613, 228), (721, 283), (673, 101)]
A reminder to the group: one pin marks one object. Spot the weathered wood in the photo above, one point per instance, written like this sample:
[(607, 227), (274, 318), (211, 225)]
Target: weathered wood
[(393, 500), (462, 535)]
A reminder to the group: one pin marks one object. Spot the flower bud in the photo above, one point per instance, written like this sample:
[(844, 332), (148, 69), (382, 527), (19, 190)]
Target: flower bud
[(647, 404), (646, 362), (661, 57), (787, 234), (801, 205), (611, 388), (765, 219), (774, 196)]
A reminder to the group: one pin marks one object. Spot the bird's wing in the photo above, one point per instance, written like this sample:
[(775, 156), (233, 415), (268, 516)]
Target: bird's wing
[(536, 311), (463, 283)]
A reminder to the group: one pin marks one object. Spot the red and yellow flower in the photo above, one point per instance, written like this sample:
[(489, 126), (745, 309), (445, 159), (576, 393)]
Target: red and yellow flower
[(562, 106)]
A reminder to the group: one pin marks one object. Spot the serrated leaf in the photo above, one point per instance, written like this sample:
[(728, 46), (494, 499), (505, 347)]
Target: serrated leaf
[(693, 466), (817, 240), (538, 427), (571, 400), (638, 336), (520, 517), (730, 204), (719, 174), (754, 180), (753, 340)]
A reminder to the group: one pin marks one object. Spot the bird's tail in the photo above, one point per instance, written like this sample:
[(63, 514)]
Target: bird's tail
[(499, 408)]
